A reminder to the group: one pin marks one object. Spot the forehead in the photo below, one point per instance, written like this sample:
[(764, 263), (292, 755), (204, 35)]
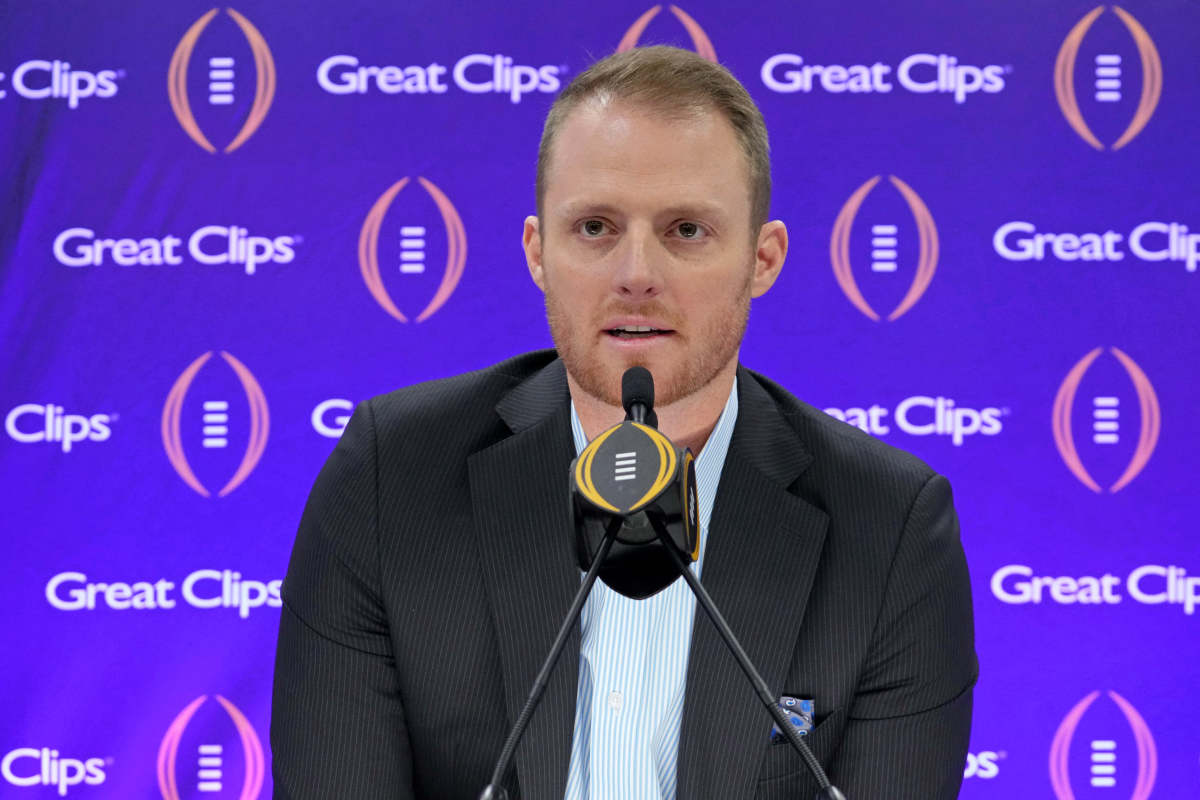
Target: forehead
[(618, 150)]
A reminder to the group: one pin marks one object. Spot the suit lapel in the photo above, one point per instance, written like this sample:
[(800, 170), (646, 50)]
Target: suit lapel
[(762, 552), (520, 497)]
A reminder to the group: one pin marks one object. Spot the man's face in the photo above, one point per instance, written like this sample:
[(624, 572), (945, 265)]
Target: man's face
[(644, 250)]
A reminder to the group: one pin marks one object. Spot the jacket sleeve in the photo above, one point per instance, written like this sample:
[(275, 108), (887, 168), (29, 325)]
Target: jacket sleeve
[(909, 725), (337, 723)]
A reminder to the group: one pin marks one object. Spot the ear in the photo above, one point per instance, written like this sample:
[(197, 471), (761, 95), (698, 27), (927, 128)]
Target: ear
[(769, 254), (531, 240)]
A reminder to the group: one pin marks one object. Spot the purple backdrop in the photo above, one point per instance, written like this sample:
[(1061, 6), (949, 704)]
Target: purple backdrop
[(222, 227)]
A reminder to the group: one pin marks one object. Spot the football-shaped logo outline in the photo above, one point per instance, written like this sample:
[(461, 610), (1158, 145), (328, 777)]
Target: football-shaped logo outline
[(252, 750), (1064, 402), (1064, 78), (927, 258), (700, 41), (264, 92), (1060, 748), (172, 436), (456, 249)]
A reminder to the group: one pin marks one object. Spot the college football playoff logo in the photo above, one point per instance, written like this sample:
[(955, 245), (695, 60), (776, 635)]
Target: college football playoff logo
[(884, 248), (700, 41), (222, 73), (214, 423), (1107, 420), (1108, 77), (412, 249), (1108, 759), (209, 769)]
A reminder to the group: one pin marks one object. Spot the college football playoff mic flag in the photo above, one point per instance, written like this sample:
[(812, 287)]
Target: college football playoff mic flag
[(634, 473)]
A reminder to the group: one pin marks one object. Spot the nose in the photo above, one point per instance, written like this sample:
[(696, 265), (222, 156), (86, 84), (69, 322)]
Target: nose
[(639, 270)]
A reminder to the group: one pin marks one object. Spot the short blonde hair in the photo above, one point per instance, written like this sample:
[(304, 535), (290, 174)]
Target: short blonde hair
[(678, 83)]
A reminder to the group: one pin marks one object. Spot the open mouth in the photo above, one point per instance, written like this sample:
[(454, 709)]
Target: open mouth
[(636, 332)]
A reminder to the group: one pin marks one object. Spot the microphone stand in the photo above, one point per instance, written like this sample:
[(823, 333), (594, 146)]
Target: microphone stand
[(494, 791), (827, 790)]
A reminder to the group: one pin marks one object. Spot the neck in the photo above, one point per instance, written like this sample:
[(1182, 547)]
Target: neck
[(687, 422)]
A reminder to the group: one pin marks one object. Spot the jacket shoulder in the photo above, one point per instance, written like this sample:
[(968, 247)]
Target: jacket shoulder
[(844, 454), (455, 410)]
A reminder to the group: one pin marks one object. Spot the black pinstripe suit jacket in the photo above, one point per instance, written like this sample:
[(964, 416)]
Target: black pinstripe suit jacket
[(435, 560)]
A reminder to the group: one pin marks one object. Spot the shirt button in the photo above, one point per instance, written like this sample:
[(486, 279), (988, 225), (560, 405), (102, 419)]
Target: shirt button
[(614, 701)]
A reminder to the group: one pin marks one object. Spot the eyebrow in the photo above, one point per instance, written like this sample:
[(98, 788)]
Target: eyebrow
[(701, 210)]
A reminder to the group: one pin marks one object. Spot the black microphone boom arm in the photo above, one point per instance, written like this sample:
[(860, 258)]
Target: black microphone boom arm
[(495, 790), (828, 790), (637, 522)]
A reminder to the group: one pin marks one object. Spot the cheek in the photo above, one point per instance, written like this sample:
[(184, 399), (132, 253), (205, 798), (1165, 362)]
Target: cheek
[(715, 294), (572, 278)]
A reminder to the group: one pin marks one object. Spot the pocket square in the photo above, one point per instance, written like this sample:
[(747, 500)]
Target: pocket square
[(799, 712)]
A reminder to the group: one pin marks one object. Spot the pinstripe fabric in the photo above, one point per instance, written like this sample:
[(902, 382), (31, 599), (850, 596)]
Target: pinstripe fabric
[(863, 605), (633, 661), (434, 562)]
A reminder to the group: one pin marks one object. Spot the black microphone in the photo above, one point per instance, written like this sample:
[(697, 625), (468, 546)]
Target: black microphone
[(634, 474), (637, 396)]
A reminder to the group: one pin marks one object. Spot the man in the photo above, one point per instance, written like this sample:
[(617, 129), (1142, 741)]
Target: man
[(435, 558)]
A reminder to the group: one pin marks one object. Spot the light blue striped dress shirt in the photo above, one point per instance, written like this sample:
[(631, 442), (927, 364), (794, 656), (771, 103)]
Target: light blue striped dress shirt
[(633, 658)]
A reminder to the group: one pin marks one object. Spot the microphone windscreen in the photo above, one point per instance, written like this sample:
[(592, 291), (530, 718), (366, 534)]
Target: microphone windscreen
[(637, 386)]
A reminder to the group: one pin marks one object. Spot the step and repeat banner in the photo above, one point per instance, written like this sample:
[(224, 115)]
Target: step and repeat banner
[(224, 226)]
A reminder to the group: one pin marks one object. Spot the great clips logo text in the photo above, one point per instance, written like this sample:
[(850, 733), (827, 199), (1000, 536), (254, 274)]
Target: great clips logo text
[(477, 73), (37, 423), (204, 589), (1149, 241), (39, 79), (923, 415), (329, 417), (210, 245), (984, 764), (1150, 584), (45, 766), (919, 73)]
